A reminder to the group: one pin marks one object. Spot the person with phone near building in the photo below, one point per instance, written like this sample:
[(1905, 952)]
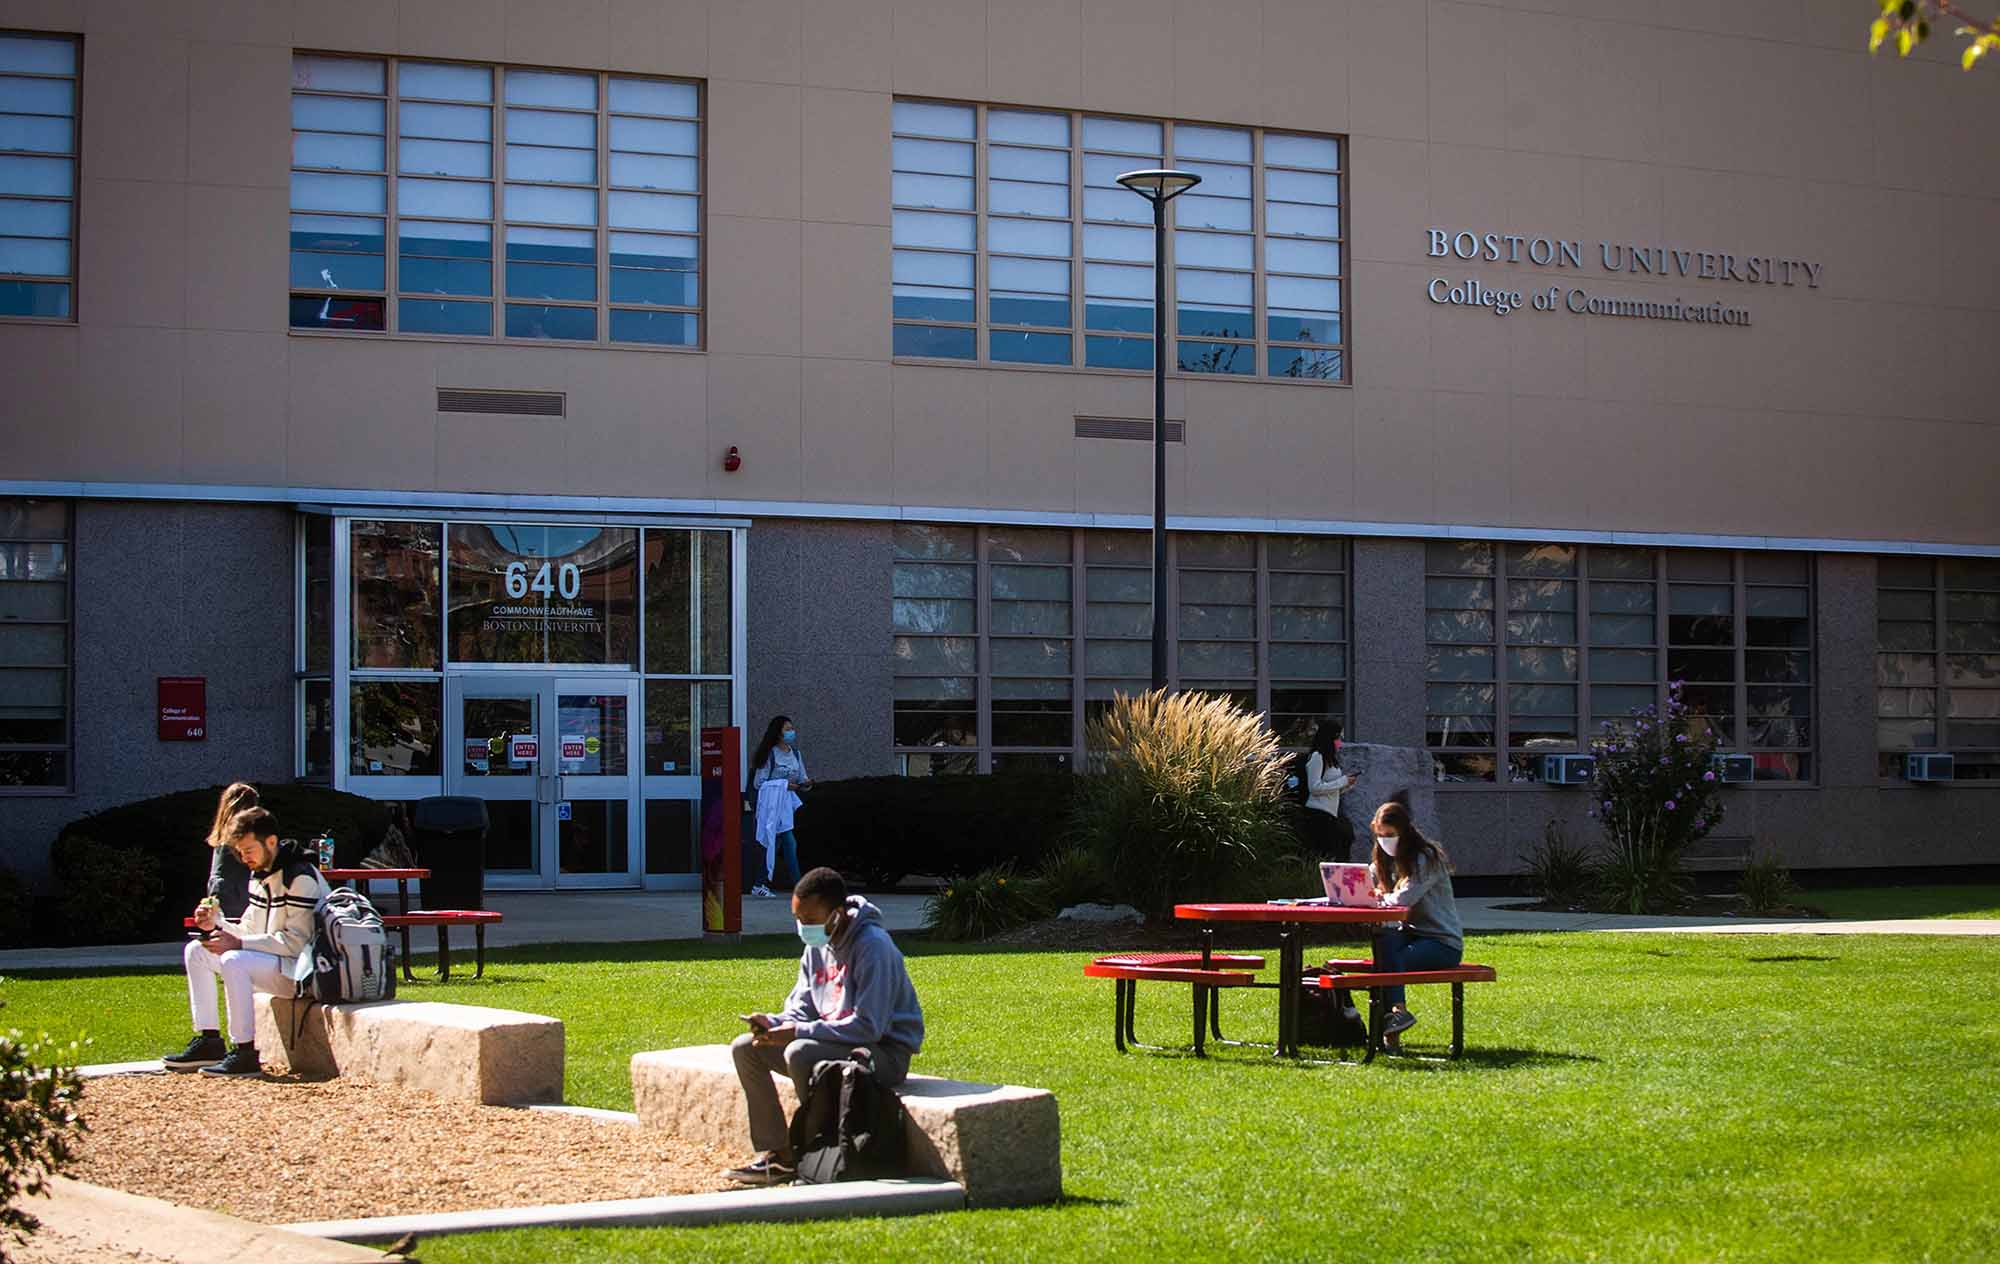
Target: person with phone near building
[(253, 954), (777, 774), (853, 1001), (1327, 833)]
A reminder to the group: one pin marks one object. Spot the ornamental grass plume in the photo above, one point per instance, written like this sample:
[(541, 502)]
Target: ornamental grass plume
[(1186, 801)]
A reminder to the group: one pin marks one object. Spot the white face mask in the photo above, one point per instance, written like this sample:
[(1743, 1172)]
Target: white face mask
[(1387, 842)]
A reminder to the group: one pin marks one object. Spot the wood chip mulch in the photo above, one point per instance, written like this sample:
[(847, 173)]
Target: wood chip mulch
[(282, 1150)]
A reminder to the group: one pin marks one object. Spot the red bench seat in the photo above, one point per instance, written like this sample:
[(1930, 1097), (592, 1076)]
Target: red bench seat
[(444, 920)]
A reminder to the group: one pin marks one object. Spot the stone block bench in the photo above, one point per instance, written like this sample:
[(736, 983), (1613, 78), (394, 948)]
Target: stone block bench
[(1001, 1142), (462, 1052)]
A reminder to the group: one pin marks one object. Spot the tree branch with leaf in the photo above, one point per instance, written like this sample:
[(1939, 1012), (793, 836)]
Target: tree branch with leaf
[(1908, 22)]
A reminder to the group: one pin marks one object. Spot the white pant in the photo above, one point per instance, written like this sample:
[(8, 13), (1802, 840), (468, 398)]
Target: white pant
[(243, 973)]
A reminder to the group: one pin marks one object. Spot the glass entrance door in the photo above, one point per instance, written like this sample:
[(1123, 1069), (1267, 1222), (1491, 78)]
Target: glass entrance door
[(551, 756)]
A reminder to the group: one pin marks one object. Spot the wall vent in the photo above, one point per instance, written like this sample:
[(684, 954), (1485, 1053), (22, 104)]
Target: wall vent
[(1127, 428), (508, 403)]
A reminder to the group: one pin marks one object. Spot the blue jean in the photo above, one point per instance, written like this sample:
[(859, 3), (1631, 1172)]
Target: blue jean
[(1400, 950), (785, 862)]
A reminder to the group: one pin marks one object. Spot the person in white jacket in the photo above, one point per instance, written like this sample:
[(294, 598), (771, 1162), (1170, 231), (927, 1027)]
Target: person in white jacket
[(255, 954), (777, 774), (1329, 835)]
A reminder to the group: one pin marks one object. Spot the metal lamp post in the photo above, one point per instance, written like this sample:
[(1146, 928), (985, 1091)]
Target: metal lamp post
[(1159, 186)]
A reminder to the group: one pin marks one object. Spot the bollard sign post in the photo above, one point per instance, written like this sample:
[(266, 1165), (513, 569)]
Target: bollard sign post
[(722, 833)]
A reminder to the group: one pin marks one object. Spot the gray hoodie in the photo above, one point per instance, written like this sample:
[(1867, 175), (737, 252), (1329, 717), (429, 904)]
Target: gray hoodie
[(855, 990)]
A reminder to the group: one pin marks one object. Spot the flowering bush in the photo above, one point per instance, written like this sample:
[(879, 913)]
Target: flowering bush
[(983, 904), (1657, 795)]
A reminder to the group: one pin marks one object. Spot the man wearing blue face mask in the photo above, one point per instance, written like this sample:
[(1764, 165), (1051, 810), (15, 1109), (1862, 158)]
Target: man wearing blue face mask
[(853, 1001)]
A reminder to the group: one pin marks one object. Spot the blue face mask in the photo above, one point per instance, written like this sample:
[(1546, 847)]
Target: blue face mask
[(813, 935), (791, 735)]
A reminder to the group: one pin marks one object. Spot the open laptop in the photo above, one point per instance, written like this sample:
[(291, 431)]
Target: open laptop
[(1348, 886)]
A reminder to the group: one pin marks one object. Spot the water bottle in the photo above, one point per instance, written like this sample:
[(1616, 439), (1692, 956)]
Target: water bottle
[(324, 845)]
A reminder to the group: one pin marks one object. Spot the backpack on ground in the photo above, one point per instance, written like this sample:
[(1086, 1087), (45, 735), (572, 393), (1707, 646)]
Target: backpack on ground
[(352, 956), (1324, 1019), (849, 1128)]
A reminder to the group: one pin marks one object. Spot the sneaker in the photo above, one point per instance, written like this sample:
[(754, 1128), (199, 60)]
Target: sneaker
[(241, 1063), (765, 1169), (202, 1051), (1400, 1021), (761, 892)]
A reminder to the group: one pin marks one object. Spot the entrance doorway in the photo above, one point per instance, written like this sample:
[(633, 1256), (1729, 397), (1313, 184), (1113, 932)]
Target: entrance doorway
[(553, 758)]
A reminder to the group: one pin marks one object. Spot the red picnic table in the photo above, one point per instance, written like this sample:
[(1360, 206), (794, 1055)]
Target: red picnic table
[(360, 878), (1292, 919)]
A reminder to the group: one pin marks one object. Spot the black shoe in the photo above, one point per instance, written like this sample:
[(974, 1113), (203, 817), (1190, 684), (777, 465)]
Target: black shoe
[(202, 1051), (765, 1169), (241, 1062)]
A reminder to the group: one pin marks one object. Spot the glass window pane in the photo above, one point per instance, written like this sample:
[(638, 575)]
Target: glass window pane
[(924, 302), (339, 114), (655, 96), (1444, 662), (1014, 197), (427, 316), (644, 171), (1192, 210), (1319, 152), (455, 198), (1024, 348), (1004, 163), (924, 118), (326, 312), (20, 217), (934, 341), (573, 324), (950, 232), (393, 728), (1325, 366), (1287, 219), (1220, 181), (1301, 186), (559, 206), (1307, 662), (1028, 128), (445, 122), (1023, 236), (669, 731), (1302, 294), (37, 96), (655, 136), (1214, 250), (1622, 665), (926, 542), (444, 81), (1532, 664), (678, 289), (1128, 136), (40, 135), (544, 127), (1225, 144), (461, 241), (545, 87), (929, 268), (666, 212), (337, 74), (394, 593), (1045, 275), (938, 157), (435, 158), (551, 281), (34, 256), (541, 162), (934, 655), (1319, 258), (319, 192)]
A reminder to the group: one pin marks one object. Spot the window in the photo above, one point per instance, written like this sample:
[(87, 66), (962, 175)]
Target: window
[(35, 645), (1527, 641), (986, 626), (689, 646), (569, 201), (38, 112), (1915, 598), (1254, 253)]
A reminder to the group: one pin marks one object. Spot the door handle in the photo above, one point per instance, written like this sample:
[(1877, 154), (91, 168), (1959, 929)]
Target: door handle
[(545, 790)]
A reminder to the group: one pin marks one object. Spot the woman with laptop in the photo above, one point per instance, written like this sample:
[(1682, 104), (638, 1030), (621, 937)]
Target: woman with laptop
[(1412, 873)]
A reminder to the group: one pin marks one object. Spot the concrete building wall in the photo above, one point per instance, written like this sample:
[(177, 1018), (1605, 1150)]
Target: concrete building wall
[(1745, 128), (171, 590)]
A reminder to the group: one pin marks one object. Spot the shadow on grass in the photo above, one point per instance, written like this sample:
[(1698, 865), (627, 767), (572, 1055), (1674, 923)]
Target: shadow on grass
[(1793, 957), (1253, 1057)]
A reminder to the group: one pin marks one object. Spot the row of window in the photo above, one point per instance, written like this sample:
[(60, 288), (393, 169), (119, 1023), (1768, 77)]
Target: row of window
[(1009, 640), (1015, 243), (35, 645), (462, 200), (1937, 672)]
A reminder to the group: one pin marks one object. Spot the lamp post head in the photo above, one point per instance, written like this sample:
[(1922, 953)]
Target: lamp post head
[(1159, 184)]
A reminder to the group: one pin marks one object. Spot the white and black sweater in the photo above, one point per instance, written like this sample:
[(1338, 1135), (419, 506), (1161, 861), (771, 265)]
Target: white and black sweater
[(279, 919)]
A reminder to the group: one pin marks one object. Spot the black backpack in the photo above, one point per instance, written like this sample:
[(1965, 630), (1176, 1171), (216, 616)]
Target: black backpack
[(1295, 789), (1323, 1018), (849, 1128)]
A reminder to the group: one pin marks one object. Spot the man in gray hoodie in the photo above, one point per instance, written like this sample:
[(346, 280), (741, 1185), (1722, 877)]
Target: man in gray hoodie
[(853, 1000)]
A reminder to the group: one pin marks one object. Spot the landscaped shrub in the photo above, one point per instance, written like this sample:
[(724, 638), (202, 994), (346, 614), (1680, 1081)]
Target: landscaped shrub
[(39, 1124), (1560, 871), (984, 904), (17, 910), (1187, 803), (104, 894), (1072, 875), (1766, 885), (171, 829), (880, 829), (1656, 796)]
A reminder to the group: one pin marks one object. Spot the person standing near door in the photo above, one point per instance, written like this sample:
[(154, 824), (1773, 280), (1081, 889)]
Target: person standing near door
[(1328, 833), (777, 774)]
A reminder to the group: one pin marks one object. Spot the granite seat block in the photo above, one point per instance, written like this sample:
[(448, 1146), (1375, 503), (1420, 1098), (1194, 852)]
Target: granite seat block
[(1000, 1141), (462, 1052)]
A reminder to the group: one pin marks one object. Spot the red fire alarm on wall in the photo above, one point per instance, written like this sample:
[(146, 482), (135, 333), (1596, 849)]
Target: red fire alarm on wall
[(732, 460)]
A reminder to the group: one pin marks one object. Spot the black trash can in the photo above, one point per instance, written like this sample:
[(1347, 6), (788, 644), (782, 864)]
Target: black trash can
[(448, 833)]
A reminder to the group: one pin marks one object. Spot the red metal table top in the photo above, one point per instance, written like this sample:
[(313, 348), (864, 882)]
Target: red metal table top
[(350, 875), (1315, 913)]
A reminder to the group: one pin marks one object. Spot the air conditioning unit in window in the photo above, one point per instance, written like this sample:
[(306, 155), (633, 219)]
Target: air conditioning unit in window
[(1568, 770), (1928, 768), (1733, 768)]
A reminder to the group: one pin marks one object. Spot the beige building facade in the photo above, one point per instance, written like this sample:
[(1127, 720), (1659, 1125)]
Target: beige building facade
[(1529, 356)]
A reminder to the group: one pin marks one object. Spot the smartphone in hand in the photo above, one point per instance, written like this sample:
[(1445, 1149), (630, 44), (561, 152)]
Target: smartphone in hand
[(758, 1022)]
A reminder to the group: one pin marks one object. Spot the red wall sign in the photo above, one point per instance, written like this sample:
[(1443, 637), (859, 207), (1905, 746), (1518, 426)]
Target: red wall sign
[(183, 708)]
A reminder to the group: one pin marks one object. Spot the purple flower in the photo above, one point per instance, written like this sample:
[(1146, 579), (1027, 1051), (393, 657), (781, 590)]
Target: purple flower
[(1607, 805), (1664, 761), (1709, 775), (1670, 805), (1680, 737)]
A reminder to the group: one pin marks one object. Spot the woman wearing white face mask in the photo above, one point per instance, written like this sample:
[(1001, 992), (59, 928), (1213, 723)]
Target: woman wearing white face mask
[(1412, 873), (778, 772)]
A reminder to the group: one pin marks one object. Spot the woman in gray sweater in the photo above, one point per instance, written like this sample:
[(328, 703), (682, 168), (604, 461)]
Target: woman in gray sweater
[(1412, 873)]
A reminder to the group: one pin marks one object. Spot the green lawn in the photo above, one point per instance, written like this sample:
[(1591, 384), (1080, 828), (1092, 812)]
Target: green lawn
[(1627, 1098), (1871, 903)]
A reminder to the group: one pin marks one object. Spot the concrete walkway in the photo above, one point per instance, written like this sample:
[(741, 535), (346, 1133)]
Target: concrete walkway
[(537, 917), (601, 917)]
